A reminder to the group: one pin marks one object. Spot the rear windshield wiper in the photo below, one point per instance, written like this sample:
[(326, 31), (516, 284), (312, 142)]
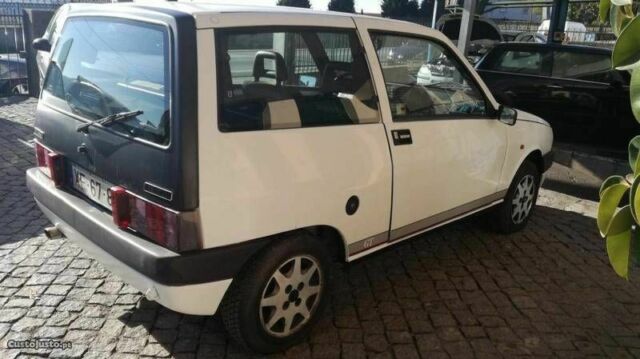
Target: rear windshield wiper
[(111, 119)]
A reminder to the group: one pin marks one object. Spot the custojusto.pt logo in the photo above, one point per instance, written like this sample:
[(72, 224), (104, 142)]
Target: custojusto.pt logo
[(38, 344)]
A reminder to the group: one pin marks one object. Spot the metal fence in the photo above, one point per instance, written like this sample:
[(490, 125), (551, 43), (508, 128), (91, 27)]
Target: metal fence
[(13, 41), (600, 36)]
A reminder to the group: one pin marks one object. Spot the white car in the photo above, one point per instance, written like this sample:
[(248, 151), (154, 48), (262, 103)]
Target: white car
[(218, 158)]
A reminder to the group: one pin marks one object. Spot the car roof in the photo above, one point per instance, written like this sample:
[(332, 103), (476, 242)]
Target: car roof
[(530, 45), (198, 8)]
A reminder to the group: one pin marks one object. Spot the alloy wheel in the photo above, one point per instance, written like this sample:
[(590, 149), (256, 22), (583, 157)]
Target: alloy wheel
[(523, 199), (291, 296)]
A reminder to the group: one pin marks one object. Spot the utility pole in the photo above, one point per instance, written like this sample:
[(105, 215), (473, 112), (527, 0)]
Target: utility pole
[(435, 12), (557, 21), (466, 25)]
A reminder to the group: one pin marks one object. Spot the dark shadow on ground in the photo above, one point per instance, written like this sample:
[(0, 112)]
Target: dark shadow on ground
[(19, 217), (460, 290), (13, 100), (580, 190)]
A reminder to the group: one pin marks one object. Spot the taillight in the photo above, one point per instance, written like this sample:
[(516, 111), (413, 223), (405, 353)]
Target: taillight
[(121, 207), (155, 222), (51, 163)]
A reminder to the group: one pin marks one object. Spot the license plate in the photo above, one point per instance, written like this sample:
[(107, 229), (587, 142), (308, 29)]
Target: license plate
[(91, 186)]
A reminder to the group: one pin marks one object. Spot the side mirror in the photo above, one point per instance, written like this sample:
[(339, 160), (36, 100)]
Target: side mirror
[(41, 44), (507, 115)]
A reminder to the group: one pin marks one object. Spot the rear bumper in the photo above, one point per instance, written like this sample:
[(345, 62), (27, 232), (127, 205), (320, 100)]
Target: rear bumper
[(171, 279)]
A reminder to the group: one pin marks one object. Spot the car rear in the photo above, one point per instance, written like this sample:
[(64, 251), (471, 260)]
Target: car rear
[(116, 147)]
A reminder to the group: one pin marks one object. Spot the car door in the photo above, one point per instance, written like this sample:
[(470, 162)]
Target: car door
[(518, 76), (447, 148), (294, 138), (581, 89)]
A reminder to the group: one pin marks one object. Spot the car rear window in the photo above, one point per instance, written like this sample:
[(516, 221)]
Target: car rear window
[(298, 77), (103, 66), (582, 66), (520, 61)]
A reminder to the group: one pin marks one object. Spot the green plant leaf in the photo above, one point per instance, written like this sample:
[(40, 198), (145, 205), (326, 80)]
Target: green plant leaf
[(634, 93), (634, 199), (621, 2), (618, 18), (634, 150), (604, 10), (619, 241), (610, 198), (613, 180), (626, 54)]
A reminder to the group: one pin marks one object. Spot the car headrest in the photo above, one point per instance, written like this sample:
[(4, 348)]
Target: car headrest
[(280, 66)]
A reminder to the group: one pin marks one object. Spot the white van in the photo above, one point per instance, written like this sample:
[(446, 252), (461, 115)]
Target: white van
[(218, 158), (574, 31)]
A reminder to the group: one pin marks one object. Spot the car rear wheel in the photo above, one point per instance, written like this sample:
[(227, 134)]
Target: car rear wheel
[(277, 298), (514, 213)]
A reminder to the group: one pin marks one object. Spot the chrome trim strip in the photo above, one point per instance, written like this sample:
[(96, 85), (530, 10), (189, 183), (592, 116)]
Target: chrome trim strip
[(382, 240), (446, 215), (148, 185), (363, 245)]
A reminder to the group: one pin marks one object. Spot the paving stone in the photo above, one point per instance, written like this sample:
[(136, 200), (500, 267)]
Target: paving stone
[(50, 332), (131, 345), (456, 292), (155, 350), (11, 314), (87, 323), (27, 325), (61, 319)]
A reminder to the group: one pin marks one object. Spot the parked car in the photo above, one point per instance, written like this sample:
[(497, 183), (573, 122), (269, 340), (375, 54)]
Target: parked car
[(212, 190), (573, 87), (484, 34), (13, 75), (530, 37)]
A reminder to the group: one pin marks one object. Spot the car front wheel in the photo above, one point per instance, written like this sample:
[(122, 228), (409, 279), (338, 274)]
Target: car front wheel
[(514, 213), (280, 294)]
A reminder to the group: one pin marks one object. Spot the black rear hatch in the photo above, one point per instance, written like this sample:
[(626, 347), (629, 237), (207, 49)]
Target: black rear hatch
[(105, 66)]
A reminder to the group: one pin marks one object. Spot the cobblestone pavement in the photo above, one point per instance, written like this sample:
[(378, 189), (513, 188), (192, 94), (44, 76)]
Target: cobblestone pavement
[(457, 292)]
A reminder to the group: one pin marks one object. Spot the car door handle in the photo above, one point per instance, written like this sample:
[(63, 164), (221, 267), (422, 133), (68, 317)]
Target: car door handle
[(401, 137), (555, 87)]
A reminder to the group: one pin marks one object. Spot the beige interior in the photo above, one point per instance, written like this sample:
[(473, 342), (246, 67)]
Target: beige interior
[(281, 114), (359, 112)]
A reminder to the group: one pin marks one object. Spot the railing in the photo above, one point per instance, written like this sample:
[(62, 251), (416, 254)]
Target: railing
[(13, 64), (599, 36)]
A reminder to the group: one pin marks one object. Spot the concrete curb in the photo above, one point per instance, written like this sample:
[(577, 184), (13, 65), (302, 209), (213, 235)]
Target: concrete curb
[(590, 164)]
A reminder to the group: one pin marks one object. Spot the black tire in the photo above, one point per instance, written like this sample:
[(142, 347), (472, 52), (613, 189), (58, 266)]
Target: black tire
[(506, 217), (241, 309)]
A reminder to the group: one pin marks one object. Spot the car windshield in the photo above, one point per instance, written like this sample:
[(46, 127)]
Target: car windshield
[(99, 72)]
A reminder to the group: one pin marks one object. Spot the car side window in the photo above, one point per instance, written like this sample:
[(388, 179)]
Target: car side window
[(581, 66), (424, 80), (528, 62), (292, 78)]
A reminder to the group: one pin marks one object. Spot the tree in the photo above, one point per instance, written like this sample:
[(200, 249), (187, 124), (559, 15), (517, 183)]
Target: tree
[(413, 8), (342, 6), (586, 13), (400, 9), (295, 3), (426, 9), (394, 8)]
